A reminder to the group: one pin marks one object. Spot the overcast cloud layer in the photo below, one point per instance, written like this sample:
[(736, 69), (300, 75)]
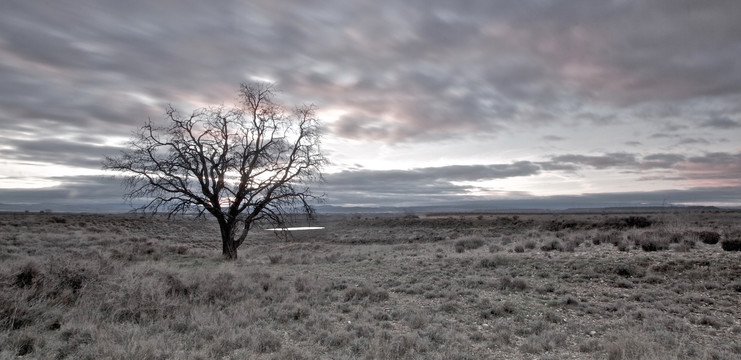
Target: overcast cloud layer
[(424, 102)]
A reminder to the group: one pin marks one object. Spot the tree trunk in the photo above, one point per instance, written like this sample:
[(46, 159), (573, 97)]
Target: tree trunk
[(228, 245)]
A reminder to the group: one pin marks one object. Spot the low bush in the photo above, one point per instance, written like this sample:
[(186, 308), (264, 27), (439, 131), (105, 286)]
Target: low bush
[(654, 244), (468, 243), (627, 222), (684, 246), (275, 259), (27, 275), (709, 237), (638, 221), (612, 237), (508, 283), (731, 244), (493, 262), (653, 241), (552, 245), (364, 292)]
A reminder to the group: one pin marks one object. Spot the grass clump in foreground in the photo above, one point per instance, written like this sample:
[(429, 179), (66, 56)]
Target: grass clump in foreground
[(90, 286)]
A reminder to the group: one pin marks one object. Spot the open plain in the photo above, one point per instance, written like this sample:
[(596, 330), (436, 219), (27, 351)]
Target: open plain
[(449, 286)]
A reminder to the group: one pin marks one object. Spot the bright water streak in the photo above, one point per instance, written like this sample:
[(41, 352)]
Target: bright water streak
[(300, 228)]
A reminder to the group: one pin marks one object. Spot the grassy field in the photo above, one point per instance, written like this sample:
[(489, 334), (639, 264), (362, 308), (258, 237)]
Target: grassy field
[(529, 286)]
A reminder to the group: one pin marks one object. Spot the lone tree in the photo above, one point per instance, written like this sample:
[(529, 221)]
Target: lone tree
[(242, 165)]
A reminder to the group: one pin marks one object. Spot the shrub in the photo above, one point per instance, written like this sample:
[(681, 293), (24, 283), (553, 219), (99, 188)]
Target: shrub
[(25, 345), (612, 237), (501, 309), (507, 282), (709, 237), (27, 275), (626, 270), (637, 221), (176, 287), (653, 241), (468, 243), (547, 341), (493, 262), (364, 292), (623, 245), (685, 246), (519, 249), (654, 245), (267, 342), (552, 245), (731, 245)]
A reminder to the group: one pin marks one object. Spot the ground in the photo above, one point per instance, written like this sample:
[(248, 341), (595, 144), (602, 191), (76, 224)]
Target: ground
[(446, 286)]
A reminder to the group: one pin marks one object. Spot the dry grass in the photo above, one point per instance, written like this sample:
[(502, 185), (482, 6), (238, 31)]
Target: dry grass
[(586, 286)]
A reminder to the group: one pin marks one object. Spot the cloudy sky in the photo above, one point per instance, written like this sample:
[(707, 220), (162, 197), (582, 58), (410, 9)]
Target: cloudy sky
[(534, 102)]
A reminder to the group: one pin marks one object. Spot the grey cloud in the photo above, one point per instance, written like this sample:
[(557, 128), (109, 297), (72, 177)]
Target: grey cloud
[(553, 138), (423, 64), (721, 168), (423, 184), (663, 136), (692, 141), (432, 174), (598, 161), (717, 158), (721, 123), (661, 160), (58, 151)]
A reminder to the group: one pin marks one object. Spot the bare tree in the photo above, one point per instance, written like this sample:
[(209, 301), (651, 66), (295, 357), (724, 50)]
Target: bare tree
[(242, 165)]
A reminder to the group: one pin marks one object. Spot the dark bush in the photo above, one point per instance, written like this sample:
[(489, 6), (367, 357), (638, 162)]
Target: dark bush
[(508, 283), (654, 245), (629, 270), (27, 275), (25, 346), (623, 245), (552, 245), (499, 310), (364, 292), (653, 241), (558, 225), (638, 221), (626, 222), (731, 245), (493, 262), (709, 237), (612, 237), (58, 220), (176, 287)]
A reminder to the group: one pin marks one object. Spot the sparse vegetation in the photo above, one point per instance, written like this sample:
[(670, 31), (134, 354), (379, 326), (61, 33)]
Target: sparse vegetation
[(123, 286)]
